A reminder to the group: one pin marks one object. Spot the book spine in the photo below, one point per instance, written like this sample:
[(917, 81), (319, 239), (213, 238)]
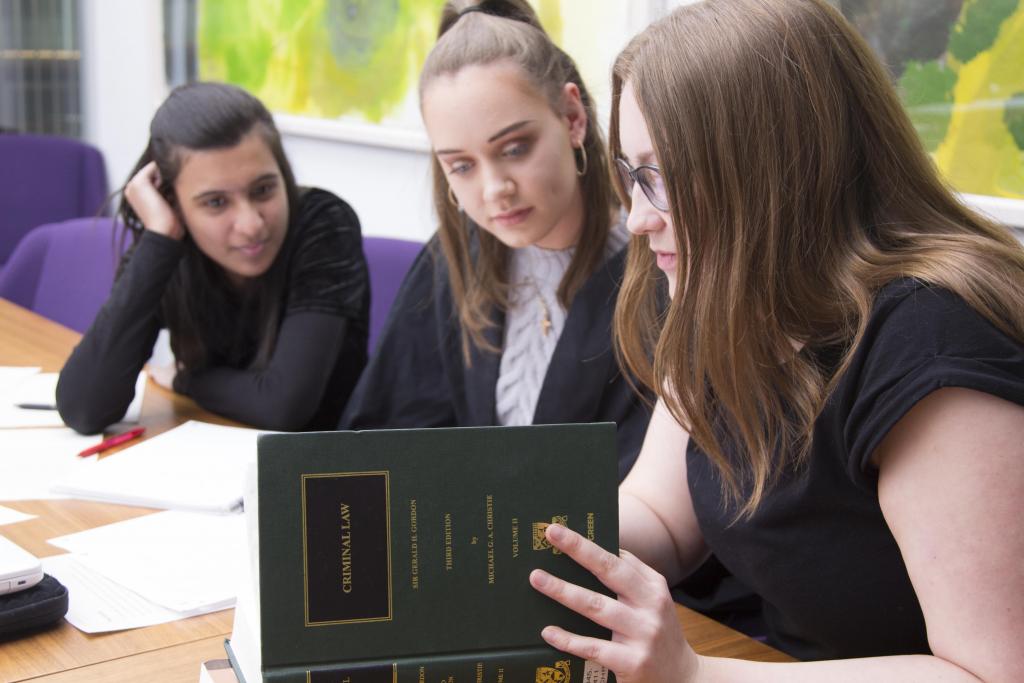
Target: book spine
[(529, 665)]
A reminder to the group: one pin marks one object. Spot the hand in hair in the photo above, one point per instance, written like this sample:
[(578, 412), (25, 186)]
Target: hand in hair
[(152, 208), (647, 644)]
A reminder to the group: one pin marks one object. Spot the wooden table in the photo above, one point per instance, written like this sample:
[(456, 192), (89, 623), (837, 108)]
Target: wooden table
[(173, 651)]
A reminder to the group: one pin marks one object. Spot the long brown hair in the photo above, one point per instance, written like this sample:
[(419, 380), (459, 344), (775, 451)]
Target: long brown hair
[(797, 189), (491, 31)]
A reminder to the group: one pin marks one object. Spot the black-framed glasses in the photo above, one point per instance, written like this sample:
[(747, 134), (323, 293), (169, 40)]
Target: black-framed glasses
[(651, 182)]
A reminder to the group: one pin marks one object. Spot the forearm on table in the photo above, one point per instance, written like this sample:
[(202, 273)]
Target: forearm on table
[(287, 392), (98, 380)]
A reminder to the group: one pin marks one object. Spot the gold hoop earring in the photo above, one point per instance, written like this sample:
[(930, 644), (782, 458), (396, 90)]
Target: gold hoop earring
[(451, 198), (583, 153)]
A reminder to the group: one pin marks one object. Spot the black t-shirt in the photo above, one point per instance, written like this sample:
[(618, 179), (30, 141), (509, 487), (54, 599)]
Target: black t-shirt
[(818, 550)]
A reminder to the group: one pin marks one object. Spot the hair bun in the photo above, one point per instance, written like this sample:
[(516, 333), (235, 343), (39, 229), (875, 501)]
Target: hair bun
[(503, 9)]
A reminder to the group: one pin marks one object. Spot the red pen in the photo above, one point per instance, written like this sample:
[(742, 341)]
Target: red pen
[(115, 440)]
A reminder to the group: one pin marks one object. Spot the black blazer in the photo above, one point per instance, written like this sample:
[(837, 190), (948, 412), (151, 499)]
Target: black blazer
[(416, 376)]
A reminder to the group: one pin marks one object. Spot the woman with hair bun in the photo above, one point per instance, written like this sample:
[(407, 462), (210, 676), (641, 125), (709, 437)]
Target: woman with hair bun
[(505, 317)]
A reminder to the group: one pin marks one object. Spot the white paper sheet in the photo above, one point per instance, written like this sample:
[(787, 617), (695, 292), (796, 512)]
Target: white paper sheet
[(11, 516), (195, 466), (96, 604), (31, 460), (245, 641), (38, 388), (9, 373), (183, 561), (19, 385)]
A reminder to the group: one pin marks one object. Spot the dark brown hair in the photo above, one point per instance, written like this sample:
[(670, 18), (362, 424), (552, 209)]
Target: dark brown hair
[(202, 116)]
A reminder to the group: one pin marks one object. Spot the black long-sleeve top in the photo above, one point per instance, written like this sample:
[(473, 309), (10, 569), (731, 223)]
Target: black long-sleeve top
[(318, 356)]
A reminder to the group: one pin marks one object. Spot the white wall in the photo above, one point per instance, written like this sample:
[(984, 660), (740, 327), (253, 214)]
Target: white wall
[(122, 78), (389, 188)]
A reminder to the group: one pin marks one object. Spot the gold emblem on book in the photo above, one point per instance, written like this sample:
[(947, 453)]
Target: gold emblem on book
[(559, 673), (540, 542)]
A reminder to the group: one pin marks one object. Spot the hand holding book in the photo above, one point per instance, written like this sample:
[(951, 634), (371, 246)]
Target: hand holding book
[(405, 555), (647, 643)]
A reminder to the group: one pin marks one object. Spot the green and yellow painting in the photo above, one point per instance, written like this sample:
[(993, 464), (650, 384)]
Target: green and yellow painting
[(322, 58), (360, 59), (959, 64), (960, 69)]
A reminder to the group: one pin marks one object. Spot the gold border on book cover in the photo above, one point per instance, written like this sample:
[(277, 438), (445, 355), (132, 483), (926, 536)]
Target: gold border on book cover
[(305, 551)]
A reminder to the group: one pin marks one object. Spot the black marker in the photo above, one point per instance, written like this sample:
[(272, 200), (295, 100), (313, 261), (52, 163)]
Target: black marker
[(36, 406)]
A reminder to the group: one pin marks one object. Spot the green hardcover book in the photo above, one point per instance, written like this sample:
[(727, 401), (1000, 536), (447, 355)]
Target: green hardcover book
[(403, 556)]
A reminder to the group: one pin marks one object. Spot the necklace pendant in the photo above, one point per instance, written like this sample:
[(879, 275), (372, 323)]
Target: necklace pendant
[(545, 326)]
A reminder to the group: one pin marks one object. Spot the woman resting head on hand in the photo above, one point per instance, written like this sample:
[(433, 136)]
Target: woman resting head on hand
[(840, 370), (263, 286)]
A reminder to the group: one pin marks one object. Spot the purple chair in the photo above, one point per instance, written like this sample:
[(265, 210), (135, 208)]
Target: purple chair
[(64, 271), (45, 179), (388, 261)]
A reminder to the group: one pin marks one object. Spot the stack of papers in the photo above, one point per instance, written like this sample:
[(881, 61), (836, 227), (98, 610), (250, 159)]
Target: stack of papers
[(195, 466), (32, 459), (36, 449), (150, 569)]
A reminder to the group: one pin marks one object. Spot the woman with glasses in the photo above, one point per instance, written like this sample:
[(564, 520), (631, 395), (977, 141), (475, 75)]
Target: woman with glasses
[(505, 317), (261, 284), (840, 369)]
